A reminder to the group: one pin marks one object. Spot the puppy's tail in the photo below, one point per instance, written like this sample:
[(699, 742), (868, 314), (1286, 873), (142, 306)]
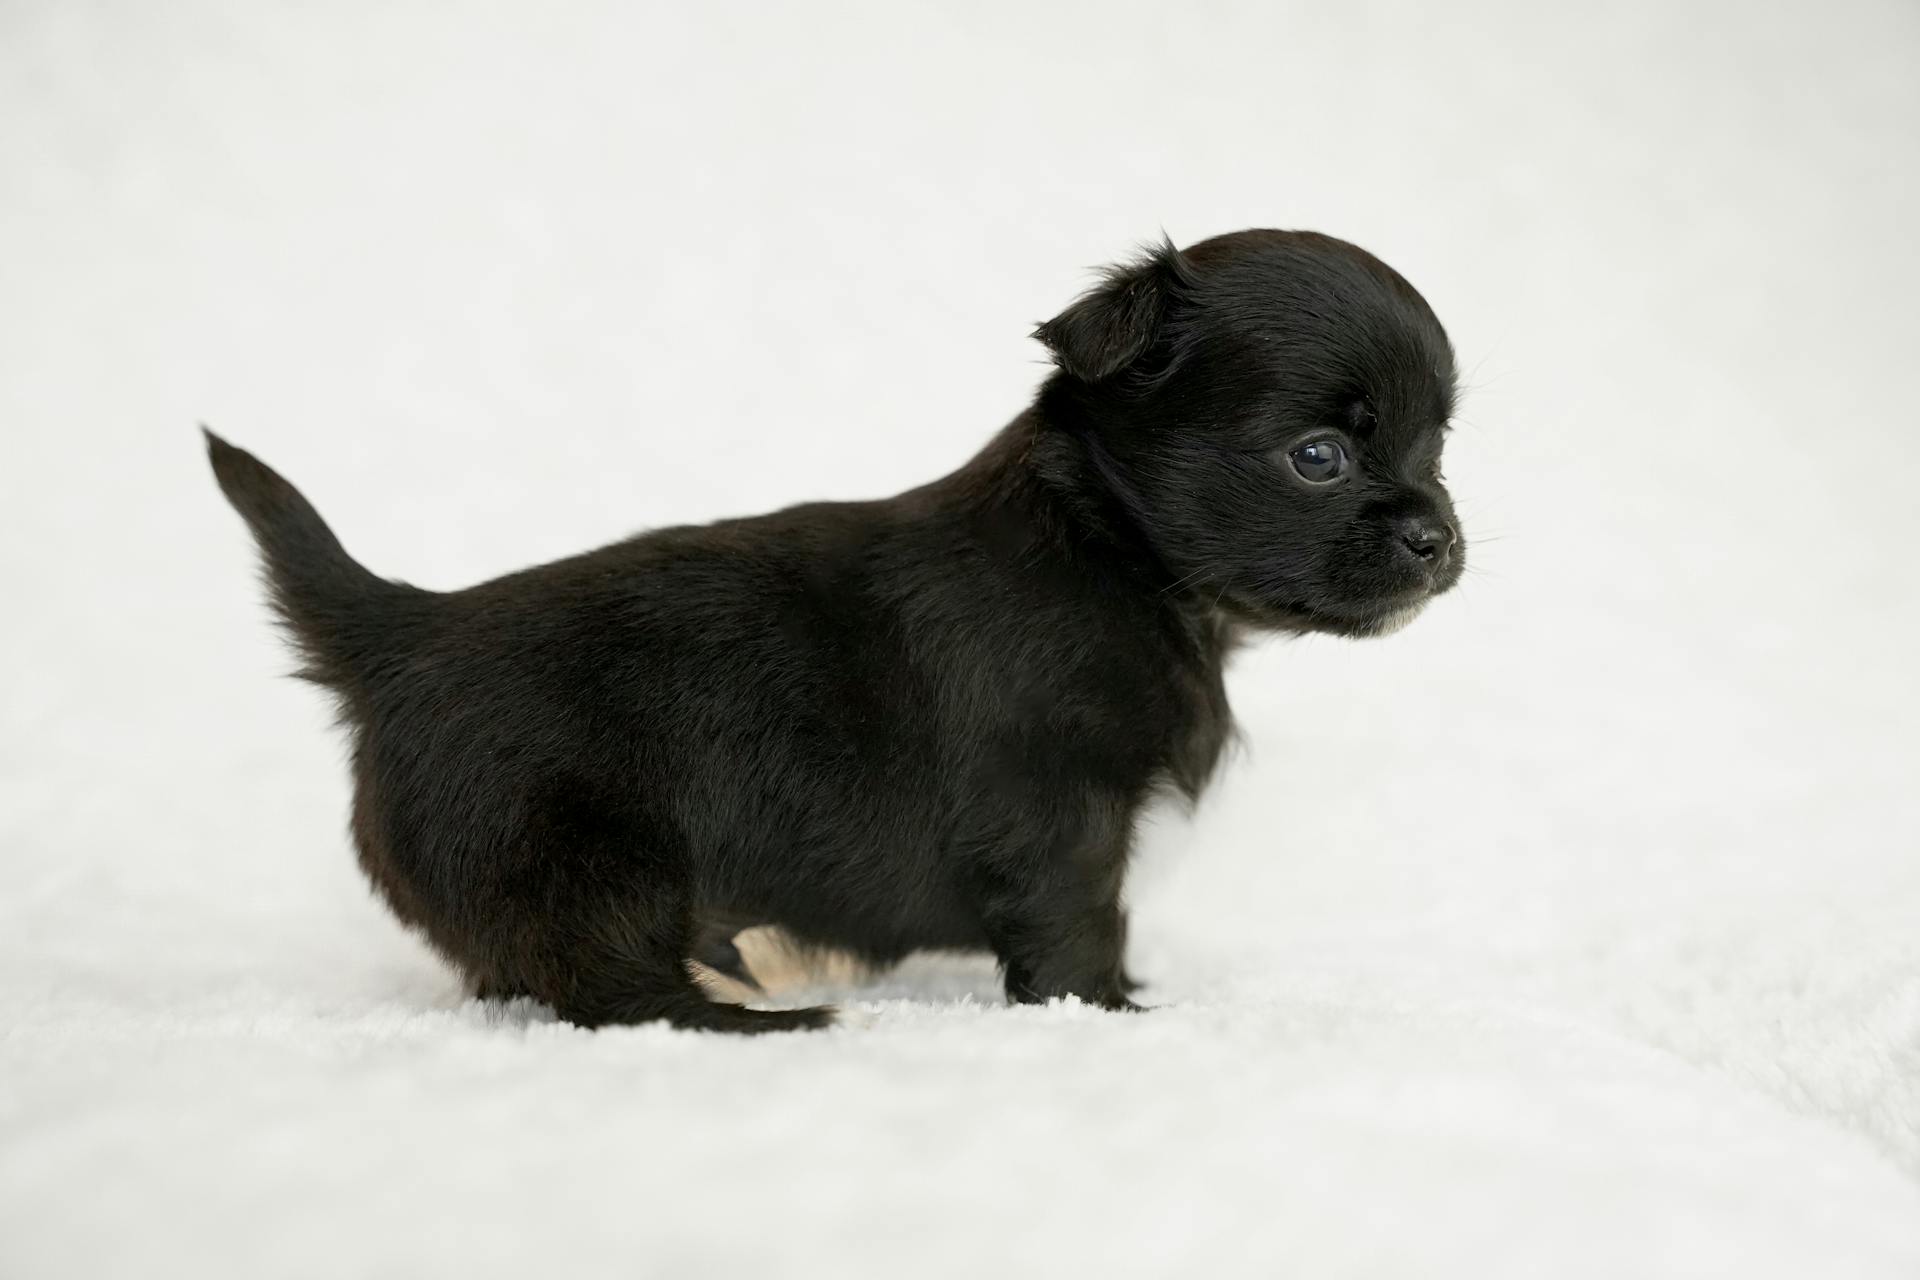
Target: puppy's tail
[(346, 622)]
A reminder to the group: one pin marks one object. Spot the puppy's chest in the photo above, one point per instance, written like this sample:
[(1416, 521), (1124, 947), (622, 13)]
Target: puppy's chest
[(1120, 708)]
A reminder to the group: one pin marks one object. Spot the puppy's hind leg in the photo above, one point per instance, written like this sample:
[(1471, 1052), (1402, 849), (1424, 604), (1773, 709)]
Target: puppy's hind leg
[(628, 964), (613, 946)]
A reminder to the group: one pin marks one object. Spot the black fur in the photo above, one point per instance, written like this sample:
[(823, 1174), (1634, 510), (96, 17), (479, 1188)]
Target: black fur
[(924, 721)]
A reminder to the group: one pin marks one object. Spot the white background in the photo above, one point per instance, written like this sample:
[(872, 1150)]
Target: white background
[(1571, 932)]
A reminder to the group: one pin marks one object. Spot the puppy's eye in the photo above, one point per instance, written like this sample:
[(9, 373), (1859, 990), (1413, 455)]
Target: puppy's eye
[(1319, 461)]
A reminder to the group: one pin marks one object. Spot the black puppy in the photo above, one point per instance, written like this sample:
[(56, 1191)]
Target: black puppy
[(924, 721)]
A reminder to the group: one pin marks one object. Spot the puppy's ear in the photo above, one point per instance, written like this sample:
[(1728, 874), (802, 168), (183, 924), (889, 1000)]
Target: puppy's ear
[(1114, 324)]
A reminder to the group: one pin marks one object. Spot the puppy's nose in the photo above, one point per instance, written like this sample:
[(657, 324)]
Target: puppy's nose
[(1430, 541)]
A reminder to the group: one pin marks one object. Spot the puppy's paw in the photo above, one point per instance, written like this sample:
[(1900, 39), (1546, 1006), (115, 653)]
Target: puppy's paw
[(737, 1020)]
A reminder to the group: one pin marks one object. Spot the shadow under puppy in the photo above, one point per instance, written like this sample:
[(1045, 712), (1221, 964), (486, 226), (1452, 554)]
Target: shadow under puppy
[(924, 721)]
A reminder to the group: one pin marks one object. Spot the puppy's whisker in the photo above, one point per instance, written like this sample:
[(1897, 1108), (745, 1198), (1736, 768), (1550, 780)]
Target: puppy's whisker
[(1172, 586), (1472, 382)]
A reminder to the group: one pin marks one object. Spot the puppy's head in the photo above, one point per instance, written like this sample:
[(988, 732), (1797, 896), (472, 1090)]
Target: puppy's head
[(1269, 407)]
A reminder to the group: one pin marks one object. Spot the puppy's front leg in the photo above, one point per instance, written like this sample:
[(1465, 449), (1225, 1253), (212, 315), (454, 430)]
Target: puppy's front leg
[(1052, 913)]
